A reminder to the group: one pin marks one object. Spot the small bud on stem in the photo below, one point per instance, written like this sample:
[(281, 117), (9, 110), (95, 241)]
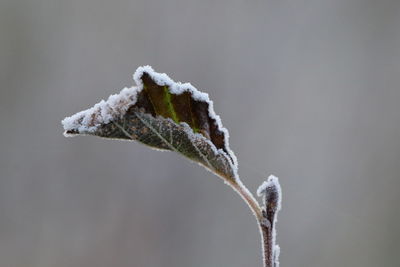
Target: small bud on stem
[(272, 196)]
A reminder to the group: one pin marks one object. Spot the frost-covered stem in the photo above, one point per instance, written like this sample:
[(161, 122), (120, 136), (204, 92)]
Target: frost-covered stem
[(266, 242), (249, 199), (266, 215), (271, 193)]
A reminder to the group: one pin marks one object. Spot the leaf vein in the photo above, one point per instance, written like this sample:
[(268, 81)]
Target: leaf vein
[(156, 133)]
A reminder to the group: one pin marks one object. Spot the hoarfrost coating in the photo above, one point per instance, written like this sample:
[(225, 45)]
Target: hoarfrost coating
[(117, 105), (101, 113)]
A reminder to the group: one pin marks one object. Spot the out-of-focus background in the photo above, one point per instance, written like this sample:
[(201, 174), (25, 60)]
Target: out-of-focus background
[(310, 91)]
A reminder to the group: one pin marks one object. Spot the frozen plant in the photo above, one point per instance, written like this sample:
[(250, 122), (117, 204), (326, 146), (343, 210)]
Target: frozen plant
[(168, 115)]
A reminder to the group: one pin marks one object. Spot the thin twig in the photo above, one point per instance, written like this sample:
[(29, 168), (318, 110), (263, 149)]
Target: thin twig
[(271, 193)]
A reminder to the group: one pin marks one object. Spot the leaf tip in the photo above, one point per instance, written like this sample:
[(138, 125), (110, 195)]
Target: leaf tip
[(160, 78)]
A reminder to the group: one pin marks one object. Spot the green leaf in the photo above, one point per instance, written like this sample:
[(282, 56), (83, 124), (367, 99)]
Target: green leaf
[(163, 115)]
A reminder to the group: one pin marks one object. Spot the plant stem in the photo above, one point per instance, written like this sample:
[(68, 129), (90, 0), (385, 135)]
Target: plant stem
[(267, 243), (266, 216), (272, 195), (249, 199)]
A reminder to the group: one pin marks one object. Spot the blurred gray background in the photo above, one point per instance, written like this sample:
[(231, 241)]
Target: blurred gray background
[(309, 90)]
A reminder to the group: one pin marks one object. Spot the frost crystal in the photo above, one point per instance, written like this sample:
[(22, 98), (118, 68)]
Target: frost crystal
[(101, 113)]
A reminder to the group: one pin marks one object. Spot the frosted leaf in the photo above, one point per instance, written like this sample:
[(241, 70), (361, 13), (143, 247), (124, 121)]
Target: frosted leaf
[(163, 115)]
